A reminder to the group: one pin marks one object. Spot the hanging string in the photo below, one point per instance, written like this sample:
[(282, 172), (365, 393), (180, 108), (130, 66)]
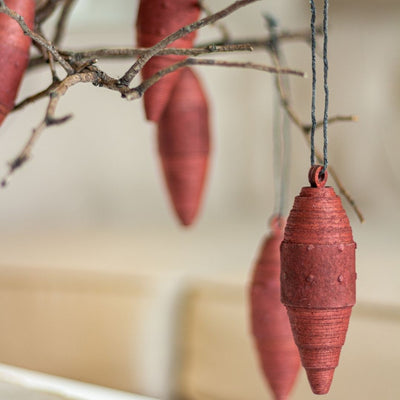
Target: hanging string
[(281, 154), (277, 153), (326, 89), (281, 126), (314, 83)]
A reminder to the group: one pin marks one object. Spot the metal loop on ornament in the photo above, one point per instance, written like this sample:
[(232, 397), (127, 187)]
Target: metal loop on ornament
[(317, 176)]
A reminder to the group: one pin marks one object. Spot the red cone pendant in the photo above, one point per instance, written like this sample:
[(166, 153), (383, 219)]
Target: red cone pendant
[(318, 278), (277, 351), (156, 20), (183, 144), (14, 52)]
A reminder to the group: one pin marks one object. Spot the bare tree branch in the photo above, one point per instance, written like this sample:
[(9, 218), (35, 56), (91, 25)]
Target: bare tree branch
[(45, 9), (205, 48), (137, 92), (219, 25), (142, 60), (62, 21), (263, 43), (48, 120), (102, 79), (80, 68)]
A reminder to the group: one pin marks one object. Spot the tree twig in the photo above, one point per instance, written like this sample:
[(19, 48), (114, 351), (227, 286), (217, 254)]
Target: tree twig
[(35, 97), (138, 91), (302, 35), (131, 52), (219, 25), (79, 55), (61, 23), (45, 9), (142, 60), (48, 120), (80, 69), (205, 48), (102, 79)]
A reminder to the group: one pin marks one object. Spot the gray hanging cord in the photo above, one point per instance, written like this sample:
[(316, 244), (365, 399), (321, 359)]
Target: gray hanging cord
[(281, 128), (326, 89), (277, 152), (286, 143), (314, 82)]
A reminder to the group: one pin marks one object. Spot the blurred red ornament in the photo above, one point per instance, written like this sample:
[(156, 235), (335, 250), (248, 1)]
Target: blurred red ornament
[(184, 145), (14, 52), (277, 351), (156, 20), (318, 278)]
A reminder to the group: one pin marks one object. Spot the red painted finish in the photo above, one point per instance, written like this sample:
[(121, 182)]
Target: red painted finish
[(318, 278), (156, 20), (277, 352), (184, 145), (14, 52)]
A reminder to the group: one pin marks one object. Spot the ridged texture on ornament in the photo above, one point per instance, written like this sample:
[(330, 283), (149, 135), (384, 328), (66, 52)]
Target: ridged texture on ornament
[(318, 278), (14, 52), (277, 352), (156, 20), (184, 144)]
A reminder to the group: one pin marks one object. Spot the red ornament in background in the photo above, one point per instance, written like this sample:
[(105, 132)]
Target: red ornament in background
[(184, 145), (318, 278), (277, 351), (156, 20), (14, 52)]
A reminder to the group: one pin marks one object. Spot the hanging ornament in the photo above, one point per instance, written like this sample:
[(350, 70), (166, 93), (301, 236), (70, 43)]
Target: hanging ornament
[(278, 354), (157, 19), (318, 260), (184, 145), (318, 278), (14, 52)]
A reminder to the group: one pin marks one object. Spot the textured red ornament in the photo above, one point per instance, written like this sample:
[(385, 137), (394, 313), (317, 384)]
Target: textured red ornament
[(318, 278), (184, 145), (14, 52), (277, 351), (156, 20)]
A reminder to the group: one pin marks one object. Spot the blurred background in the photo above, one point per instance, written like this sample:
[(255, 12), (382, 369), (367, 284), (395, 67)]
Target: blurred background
[(99, 282)]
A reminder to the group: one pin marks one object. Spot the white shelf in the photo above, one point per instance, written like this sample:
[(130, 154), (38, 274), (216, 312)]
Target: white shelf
[(21, 384)]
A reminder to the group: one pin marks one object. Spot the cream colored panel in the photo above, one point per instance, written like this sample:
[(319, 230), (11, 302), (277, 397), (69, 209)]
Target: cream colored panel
[(110, 329), (220, 362)]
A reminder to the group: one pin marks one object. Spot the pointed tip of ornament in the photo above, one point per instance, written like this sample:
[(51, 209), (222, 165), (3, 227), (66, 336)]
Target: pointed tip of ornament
[(186, 217), (320, 380), (280, 397), (185, 180)]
